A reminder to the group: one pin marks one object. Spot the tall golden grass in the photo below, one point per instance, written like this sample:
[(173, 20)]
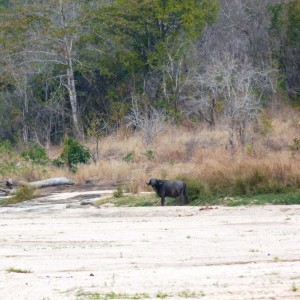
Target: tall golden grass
[(194, 151)]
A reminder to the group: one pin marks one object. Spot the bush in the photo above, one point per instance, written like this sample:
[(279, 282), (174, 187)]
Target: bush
[(149, 154), (295, 146), (73, 153), (129, 156), (118, 193), (199, 192), (6, 147), (8, 159), (36, 154)]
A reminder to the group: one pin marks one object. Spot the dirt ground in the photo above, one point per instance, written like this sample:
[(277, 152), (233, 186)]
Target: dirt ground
[(83, 252)]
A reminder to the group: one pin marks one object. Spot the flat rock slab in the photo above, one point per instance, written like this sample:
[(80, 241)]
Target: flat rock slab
[(151, 252)]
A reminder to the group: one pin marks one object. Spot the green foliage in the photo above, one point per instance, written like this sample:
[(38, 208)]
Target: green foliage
[(58, 162), (4, 3), (249, 149), (197, 191), (266, 125), (17, 270), (118, 111), (6, 148), (73, 153), (296, 145), (276, 199), (289, 198), (111, 295), (6, 167), (143, 29), (285, 34), (162, 295), (129, 156), (253, 183), (149, 154), (36, 154), (8, 159), (131, 200), (118, 193)]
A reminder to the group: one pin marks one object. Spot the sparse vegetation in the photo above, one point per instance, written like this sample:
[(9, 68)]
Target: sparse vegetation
[(118, 193), (162, 295), (153, 200), (23, 194), (111, 295), (190, 294), (17, 270), (129, 156), (130, 200)]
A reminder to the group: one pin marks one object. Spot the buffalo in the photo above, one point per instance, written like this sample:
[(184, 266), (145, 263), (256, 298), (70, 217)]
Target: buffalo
[(169, 188)]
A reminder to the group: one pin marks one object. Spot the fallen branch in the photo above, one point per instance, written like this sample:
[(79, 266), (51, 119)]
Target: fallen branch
[(38, 184)]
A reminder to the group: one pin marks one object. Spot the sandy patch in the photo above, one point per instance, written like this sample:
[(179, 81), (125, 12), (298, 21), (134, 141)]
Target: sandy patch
[(177, 252)]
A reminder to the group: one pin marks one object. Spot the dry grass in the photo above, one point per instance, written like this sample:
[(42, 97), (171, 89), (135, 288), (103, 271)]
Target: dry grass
[(190, 151), (195, 152)]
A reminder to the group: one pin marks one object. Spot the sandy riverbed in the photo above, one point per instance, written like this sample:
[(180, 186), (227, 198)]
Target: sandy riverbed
[(78, 252)]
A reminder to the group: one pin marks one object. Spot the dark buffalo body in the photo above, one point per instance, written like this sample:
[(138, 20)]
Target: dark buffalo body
[(169, 188)]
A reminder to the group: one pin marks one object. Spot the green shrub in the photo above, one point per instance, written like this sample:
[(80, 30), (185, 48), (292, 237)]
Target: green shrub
[(296, 145), (73, 153), (6, 167), (6, 147), (267, 125), (8, 159), (149, 154), (199, 192), (257, 183), (58, 162), (118, 193), (129, 156), (36, 154)]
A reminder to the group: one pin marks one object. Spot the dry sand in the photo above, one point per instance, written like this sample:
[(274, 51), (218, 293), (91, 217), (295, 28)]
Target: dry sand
[(81, 252)]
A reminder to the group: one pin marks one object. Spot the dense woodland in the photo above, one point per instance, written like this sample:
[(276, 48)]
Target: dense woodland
[(88, 68)]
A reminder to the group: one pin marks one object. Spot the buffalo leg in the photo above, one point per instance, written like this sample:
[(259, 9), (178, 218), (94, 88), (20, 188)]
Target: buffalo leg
[(184, 197), (163, 201)]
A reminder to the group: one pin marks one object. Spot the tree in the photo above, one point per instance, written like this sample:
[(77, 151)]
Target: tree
[(145, 29), (150, 120), (233, 86), (285, 38), (46, 33), (144, 34)]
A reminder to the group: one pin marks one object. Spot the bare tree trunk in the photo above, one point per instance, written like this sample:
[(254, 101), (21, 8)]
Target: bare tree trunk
[(73, 99), (67, 46)]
